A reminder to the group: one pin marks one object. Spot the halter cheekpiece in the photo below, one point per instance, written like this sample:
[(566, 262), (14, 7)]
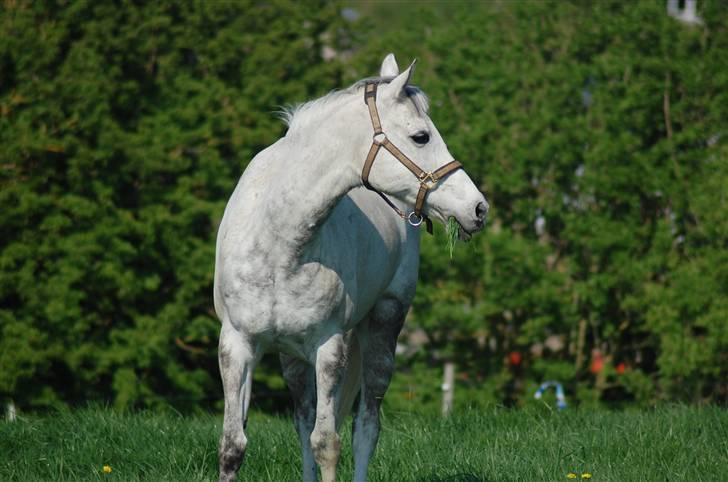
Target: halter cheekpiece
[(427, 180)]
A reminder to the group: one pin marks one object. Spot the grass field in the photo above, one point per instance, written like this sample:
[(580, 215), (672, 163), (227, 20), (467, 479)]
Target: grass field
[(667, 444)]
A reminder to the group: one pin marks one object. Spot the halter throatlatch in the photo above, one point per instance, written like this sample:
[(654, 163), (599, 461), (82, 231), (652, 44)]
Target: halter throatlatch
[(427, 180)]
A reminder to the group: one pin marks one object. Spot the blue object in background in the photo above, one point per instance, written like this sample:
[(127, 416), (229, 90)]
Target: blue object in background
[(560, 397)]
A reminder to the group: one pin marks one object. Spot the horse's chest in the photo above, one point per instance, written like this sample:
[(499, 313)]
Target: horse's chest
[(312, 295), (285, 303)]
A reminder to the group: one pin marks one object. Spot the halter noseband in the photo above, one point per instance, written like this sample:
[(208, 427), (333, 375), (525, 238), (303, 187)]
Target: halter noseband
[(427, 180)]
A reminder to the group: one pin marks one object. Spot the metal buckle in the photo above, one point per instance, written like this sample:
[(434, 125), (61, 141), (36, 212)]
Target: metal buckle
[(428, 179), (379, 138), (418, 221)]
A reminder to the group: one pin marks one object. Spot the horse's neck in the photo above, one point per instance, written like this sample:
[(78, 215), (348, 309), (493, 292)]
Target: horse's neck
[(312, 170)]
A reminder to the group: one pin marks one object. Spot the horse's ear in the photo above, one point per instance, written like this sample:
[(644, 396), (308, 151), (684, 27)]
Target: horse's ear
[(398, 84), (389, 67)]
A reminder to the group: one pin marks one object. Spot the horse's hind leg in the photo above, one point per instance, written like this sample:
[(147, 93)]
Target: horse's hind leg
[(301, 379), (378, 340), (237, 361)]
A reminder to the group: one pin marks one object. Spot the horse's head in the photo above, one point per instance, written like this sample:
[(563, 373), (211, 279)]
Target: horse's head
[(406, 126)]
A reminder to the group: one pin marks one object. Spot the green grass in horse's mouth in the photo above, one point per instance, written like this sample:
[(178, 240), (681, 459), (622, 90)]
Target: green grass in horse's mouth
[(452, 234)]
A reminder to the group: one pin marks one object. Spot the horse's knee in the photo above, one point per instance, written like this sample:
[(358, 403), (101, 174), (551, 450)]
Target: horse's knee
[(230, 455), (377, 373), (326, 447)]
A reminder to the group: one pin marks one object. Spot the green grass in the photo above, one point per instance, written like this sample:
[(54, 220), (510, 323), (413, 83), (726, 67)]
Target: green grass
[(451, 231), (667, 444)]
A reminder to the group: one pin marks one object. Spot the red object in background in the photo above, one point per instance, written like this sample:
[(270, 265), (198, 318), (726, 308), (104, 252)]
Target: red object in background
[(515, 358), (597, 363), (620, 368)]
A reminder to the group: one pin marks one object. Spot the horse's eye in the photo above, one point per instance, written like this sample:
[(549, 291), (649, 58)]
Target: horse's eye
[(421, 138)]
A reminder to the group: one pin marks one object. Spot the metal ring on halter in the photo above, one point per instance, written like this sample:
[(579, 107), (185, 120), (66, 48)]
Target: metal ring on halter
[(379, 138), (415, 223)]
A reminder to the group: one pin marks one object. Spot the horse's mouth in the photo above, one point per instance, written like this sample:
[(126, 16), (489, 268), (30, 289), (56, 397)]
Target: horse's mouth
[(463, 234)]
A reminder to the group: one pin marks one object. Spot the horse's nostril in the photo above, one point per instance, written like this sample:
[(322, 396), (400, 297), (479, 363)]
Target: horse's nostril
[(481, 210)]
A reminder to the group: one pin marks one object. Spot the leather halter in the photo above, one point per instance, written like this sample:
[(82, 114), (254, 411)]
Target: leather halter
[(427, 180)]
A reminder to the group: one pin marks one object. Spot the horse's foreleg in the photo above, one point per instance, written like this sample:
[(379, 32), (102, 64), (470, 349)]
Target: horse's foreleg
[(378, 340), (325, 441), (237, 361), (301, 379)]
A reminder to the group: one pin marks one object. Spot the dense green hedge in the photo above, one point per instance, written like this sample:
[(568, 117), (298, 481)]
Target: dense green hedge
[(597, 130), (124, 129)]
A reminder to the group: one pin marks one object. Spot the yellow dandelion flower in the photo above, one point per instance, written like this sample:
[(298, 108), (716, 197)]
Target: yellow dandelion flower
[(107, 469), (586, 475), (571, 475)]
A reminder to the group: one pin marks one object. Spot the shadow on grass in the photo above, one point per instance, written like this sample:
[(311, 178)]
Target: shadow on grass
[(462, 477)]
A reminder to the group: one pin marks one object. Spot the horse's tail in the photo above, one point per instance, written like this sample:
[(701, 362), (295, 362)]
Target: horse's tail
[(351, 382)]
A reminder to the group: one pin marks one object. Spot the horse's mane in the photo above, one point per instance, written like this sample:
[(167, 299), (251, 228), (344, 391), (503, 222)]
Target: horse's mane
[(294, 115)]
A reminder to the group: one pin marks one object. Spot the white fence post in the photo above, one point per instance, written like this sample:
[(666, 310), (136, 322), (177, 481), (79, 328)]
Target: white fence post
[(11, 413), (448, 388)]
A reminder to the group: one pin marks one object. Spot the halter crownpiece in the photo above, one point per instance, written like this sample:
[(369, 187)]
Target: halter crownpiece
[(427, 180)]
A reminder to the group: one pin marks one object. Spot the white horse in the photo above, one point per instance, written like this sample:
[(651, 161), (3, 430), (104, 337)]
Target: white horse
[(312, 265)]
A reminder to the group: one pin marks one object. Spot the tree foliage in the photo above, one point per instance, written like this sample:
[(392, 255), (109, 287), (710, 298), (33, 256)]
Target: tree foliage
[(598, 131), (124, 129)]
